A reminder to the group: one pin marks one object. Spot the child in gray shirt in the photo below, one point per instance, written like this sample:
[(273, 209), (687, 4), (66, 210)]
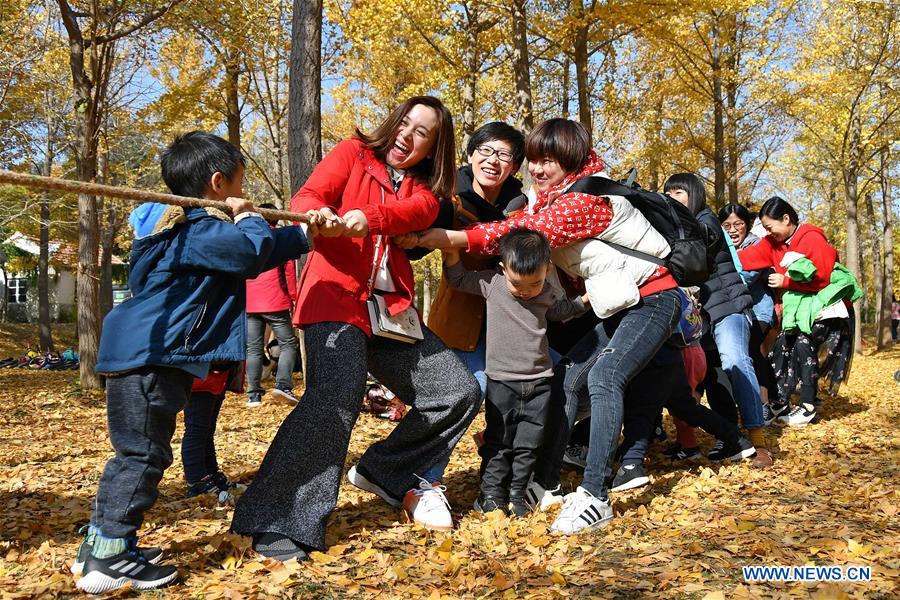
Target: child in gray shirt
[(520, 301)]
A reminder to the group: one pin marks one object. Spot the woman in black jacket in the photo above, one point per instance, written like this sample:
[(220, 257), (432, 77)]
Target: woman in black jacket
[(726, 320)]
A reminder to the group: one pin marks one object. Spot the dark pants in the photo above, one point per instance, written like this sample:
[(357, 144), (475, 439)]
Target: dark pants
[(141, 407), (666, 385), (515, 413), (604, 361), (765, 374), (198, 447), (797, 362), (297, 485)]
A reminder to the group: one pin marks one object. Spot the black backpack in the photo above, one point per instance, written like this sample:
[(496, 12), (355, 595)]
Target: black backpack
[(692, 258)]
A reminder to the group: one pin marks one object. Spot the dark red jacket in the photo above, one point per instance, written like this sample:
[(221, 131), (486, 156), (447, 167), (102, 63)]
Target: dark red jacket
[(808, 240), (334, 283)]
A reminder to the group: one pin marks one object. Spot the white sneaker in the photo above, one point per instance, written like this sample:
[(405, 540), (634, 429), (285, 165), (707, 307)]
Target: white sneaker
[(576, 456), (537, 498), (800, 416), (427, 506), (357, 479), (581, 511)]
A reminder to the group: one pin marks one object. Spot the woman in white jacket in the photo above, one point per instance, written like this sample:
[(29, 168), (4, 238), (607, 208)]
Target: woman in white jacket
[(635, 324)]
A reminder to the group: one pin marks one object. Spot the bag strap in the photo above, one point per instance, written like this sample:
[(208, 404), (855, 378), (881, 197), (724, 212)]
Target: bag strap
[(601, 186)]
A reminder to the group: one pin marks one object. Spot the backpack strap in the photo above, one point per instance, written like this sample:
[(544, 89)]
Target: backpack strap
[(601, 186)]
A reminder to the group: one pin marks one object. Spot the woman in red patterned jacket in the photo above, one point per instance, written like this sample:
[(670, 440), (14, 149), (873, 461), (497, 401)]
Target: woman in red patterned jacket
[(606, 358), (371, 187)]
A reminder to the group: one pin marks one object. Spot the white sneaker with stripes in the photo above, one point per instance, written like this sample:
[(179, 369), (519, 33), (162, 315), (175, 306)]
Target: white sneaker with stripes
[(581, 511)]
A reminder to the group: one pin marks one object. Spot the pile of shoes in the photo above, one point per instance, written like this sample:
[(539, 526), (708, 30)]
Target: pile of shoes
[(35, 361)]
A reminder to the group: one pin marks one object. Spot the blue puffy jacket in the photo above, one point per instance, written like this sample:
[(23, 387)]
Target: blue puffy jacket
[(187, 277)]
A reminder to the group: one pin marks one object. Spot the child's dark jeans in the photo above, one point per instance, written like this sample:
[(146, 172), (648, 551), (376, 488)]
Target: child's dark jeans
[(141, 409), (198, 448), (515, 414)]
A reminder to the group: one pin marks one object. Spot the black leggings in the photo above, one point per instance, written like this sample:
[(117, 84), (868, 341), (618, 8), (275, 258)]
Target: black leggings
[(198, 447), (761, 364)]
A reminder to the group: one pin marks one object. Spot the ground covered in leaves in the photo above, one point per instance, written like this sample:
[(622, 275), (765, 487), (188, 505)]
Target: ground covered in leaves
[(831, 499)]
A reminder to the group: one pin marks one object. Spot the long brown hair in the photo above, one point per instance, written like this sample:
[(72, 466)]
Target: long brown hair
[(437, 171)]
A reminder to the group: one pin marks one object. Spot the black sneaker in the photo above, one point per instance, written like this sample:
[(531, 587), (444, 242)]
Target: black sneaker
[(518, 506), (576, 455), (629, 477), (254, 399), (279, 547), (659, 433), (768, 416), (778, 408), (738, 451), (151, 555), (217, 484), (486, 504), (285, 393), (717, 452), (677, 452), (107, 574)]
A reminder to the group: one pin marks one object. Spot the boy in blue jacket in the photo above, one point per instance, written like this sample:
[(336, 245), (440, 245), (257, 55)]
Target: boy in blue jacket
[(188, 272)]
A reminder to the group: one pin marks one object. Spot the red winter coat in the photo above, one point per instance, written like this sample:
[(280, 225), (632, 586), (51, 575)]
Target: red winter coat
[(334, 283), (808, 240), (273, 291)]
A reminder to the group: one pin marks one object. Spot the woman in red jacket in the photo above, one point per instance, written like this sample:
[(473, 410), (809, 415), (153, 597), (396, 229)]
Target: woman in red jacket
[(799, 358), (269, 302), (379, 185)]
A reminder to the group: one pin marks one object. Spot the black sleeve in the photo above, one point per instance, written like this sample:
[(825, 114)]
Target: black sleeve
[(445, 220)]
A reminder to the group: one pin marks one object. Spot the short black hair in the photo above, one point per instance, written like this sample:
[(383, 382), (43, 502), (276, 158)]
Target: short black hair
[(193, 158), (736, 209), (524, 251), (499, 131), (690, 183), (565, 141), (776, 207)]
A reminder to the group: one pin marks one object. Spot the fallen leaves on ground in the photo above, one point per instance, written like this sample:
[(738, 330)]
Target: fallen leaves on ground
[(831, 498)]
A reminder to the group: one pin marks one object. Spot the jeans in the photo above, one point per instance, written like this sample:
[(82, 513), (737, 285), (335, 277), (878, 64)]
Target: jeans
[(281, 325), (198, 447), (515, 413), (732, 335), (604, 361), (141, 407)]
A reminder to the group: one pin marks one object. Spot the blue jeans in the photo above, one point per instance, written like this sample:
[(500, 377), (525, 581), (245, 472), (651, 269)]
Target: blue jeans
[(732, 335), (604, 361)]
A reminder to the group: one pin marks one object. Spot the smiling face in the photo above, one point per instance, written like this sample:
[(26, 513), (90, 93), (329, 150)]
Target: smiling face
[(546, 173), (780, 229), (736, 229), (415, 137), (490, 172)]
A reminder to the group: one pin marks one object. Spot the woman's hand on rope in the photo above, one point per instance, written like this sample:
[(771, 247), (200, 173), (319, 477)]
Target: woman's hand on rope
[(407, 241), (357, 225), (442, 238), (776, 280), (328, 223)]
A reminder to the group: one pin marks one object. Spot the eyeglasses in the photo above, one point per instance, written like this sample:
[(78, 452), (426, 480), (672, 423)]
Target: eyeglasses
[(503, 156), (740, 225)]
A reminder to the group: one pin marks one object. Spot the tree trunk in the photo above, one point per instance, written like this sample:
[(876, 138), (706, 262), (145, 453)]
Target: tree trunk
[(718, 119), (305, 92), (105, 209), (45, 333), (654, 139), (426, 289), (232, 99), (851, 254), (305, 104), (731, 100), (566, 82), (470, 84), (521, 69), (581, 80), (877, 265), (887, 243)]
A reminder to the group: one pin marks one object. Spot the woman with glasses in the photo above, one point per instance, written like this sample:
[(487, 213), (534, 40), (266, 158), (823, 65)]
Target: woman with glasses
[(737, 222)]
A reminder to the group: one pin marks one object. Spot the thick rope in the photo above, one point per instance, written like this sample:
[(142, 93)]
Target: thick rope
[(96, 189)]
